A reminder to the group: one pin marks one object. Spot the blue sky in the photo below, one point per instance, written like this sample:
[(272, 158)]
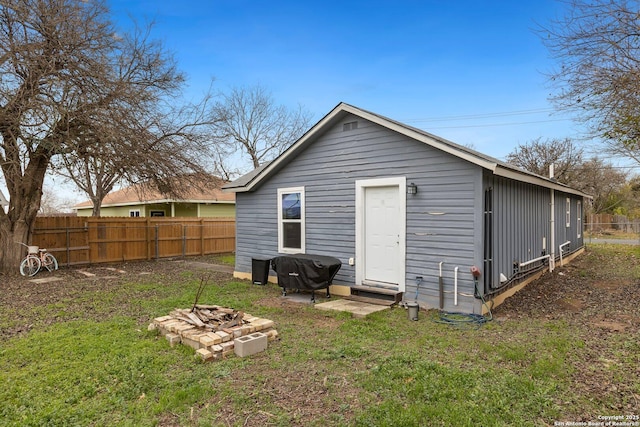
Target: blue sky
[(420, 62)]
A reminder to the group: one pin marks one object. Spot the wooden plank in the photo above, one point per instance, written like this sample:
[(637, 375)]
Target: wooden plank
[(196, 320)]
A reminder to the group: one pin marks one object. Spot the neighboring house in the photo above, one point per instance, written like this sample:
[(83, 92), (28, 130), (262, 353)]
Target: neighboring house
[(135, 202), (341, 190)]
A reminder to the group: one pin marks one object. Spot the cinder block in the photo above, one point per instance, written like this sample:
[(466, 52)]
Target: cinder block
[(173, 339), (250, 344)]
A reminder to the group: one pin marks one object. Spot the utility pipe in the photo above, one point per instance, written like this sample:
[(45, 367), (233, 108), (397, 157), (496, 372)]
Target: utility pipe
[(441, 285), (560, 248), (455, 286), (522, 264)]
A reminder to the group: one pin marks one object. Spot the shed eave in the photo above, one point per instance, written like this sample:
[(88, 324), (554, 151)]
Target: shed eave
[(536, 180)]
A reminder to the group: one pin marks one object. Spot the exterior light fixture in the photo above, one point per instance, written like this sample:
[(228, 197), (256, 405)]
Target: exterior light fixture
[(412, 188)]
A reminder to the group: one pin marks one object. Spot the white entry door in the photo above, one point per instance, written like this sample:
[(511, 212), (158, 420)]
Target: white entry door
[(382, 236), (380, 231)]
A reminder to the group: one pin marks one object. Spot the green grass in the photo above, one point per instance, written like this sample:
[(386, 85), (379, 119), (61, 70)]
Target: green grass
[(610, 234), (224, 259), (89, 360)]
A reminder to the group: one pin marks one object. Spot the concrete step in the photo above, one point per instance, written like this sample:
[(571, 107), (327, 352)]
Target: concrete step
[(374, 301), (384, 295)]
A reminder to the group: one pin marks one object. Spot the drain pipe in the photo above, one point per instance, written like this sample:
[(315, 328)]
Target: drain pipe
[(522, 264), (560, 248), (441, 285), (418, 282), (455, 286)]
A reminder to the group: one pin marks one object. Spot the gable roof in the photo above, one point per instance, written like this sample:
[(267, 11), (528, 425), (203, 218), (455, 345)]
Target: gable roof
[(139, 195), (253, 179)]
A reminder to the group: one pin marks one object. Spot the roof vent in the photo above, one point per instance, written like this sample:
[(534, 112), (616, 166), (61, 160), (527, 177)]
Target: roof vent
[(349, 126)]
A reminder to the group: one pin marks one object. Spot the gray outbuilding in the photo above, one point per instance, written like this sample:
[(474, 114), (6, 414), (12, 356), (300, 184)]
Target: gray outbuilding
[(408, 211)]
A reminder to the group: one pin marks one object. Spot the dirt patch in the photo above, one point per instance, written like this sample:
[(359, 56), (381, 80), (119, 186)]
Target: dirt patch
[(62, 295), (611, 285), (602, 311)]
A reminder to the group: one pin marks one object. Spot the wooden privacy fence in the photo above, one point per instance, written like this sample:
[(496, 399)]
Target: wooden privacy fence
[(603, 222), (89, 240)]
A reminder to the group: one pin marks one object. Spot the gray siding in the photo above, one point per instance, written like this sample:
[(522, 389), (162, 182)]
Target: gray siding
[(443, 219), (522, 221), (570, 233)]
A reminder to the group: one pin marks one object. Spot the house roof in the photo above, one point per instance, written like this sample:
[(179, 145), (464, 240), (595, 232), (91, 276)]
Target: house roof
[(137, 195), (253, 179)]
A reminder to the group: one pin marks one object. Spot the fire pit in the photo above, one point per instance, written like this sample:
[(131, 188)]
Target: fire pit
[(213, 331)]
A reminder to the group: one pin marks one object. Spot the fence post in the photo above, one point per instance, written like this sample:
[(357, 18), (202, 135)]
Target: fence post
[(157, 242), (147, 236), (68, 247), (184, 240), (201, 236)]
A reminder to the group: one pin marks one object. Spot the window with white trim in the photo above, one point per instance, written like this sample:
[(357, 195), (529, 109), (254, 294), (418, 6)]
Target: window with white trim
[(291, 226), (135, 213), (568, 218), (579, 218)]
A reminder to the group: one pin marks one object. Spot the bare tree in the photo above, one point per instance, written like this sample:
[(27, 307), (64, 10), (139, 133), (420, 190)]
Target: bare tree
[(250, 126), (594, 176), (603, 182), (52, 203), (597, 46), (148, 136), (68, 82), (536, 156)]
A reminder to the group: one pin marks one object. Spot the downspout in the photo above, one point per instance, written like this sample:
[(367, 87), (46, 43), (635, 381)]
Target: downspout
[(455, 286), (552, 258), (441, 285)]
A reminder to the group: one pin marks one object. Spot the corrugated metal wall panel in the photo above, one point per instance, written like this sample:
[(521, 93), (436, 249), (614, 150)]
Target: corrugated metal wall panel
[(521, 215), (522, 224)]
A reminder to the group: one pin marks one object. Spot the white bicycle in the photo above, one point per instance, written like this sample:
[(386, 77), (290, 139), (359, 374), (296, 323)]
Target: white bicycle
[(36, 259)]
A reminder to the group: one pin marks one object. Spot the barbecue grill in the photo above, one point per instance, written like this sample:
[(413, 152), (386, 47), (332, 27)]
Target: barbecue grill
[(305, 271)]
